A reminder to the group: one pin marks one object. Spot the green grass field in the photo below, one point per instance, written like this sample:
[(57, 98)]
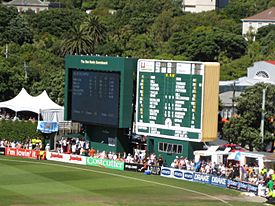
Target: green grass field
[(43, 183)]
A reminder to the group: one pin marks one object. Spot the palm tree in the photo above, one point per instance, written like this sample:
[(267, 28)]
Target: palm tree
[(77, 41), (96, 30)]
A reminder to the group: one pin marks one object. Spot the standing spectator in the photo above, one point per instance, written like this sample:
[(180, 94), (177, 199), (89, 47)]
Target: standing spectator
[(236, 168), (13, 145), (270, 186), (92, 152), (47, 147), (160, 161), (243, 173), (73, 148), (222, 170)]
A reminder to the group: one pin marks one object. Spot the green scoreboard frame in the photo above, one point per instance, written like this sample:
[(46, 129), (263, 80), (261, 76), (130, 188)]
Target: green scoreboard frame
[(177, 99), (125, 67)]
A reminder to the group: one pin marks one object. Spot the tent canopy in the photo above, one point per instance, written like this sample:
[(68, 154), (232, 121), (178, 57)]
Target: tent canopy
[(25, 102)]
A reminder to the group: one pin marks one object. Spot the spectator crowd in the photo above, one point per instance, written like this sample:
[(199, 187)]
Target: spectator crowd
[(231, 170)]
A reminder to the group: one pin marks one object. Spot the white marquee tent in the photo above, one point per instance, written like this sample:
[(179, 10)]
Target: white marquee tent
[(40, 104)]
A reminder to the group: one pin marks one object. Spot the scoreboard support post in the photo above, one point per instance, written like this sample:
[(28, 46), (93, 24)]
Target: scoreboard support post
[(108, 139)]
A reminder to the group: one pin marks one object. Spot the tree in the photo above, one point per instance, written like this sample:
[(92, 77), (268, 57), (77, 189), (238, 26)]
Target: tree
[(18, 31), (95, 30), (140, 46), (117, 41), (263, 31), (161, 29), (78, 42), (239, 9), (266, 38), (6, 15), (141, 14), (206, 44), (244, 129), (11, 79), (56, 21)]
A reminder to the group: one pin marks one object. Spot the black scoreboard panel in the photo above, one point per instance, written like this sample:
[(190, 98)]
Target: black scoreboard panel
[(95, 97)]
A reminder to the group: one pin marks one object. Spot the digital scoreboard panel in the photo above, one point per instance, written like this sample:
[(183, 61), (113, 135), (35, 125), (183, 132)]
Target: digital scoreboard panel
[(169, 100), (95, 97)]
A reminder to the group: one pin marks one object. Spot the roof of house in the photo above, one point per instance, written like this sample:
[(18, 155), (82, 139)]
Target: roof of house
[(267, 15), (271, 62)]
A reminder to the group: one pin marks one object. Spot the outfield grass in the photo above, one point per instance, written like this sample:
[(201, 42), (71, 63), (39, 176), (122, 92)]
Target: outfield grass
[(43, 183)]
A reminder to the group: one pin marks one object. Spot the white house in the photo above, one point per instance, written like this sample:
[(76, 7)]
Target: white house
[(262, 71), (196, 6), (253, 23), (25, 5)]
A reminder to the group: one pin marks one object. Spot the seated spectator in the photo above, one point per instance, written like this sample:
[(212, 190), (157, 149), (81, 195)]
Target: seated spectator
[(145, 165)]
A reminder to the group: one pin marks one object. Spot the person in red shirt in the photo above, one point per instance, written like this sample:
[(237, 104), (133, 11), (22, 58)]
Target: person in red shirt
[(92, 152)]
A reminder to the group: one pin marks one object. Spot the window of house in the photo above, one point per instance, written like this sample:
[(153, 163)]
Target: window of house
[(261, 75)]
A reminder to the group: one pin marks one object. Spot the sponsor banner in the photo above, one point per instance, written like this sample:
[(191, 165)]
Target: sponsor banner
[(202, 178), (132, 167), (106, 163), (177, 174), (208, 179), (26, 153), (188, 175), (242, 186), (232, 184), (2, 150), (68, 158), (218, 181), (166, 172), (252, 188)]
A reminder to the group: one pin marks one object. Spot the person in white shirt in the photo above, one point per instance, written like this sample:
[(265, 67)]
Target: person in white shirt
[(13, 145), (47, 147), (223, 170), (73, 148)]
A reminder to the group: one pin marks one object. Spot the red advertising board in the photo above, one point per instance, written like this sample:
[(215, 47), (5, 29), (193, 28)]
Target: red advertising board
[(21, 152)]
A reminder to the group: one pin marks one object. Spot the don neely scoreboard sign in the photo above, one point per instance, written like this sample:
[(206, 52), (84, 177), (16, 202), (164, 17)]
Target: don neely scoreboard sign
[(177, 99)]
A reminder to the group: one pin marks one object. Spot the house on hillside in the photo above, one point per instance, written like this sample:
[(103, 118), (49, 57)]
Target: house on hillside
[(253, 23), (26, 5), (196, 6), (262, 71)]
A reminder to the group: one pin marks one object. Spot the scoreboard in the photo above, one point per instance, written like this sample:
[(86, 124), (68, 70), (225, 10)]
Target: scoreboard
[(170, 99), (99, 90)]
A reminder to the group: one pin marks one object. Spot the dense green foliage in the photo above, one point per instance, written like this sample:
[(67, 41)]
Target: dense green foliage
[(18, 130), (133, 28), (245, 127)]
